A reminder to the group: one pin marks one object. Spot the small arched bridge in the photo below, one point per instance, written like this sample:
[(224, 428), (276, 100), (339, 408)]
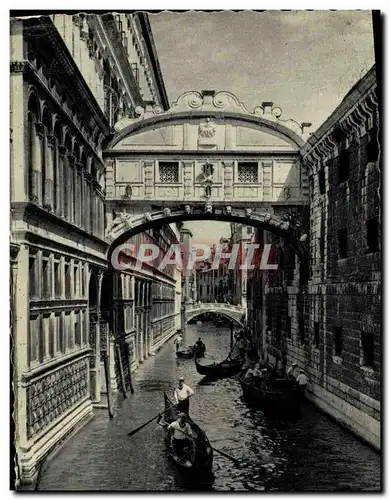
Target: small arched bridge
[(235, 313)]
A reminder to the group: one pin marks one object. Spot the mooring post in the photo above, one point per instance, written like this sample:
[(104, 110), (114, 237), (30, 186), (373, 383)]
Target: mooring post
[(123, 383), (108, 385)]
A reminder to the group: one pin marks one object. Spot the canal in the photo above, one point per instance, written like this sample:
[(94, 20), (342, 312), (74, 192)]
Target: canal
[(312, 454)]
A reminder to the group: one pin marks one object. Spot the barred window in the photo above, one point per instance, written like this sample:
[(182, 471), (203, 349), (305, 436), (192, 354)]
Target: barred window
[(248, 172), (169, 172)]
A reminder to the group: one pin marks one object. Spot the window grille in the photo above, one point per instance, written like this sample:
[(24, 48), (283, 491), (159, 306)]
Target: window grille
[(248, 172), (169, 172)]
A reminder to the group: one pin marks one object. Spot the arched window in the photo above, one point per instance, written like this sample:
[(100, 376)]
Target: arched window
[(57, 167), (32, 151), (66, 177), (47, 178)]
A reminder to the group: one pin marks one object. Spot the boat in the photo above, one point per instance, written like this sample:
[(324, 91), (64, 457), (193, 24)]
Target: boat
[(209, 368), (279, 396), (199, 459), (185, 352)]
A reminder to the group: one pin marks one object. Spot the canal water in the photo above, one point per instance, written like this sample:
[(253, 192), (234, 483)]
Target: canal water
[(311, 454)]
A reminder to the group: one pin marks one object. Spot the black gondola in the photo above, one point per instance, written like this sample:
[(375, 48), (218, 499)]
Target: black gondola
[(280, 395), (185, 352), (211, 369), (197, 460)]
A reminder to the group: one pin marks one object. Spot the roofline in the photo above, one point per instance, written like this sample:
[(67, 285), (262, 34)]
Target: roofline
[(360, 88), (185, 115), (149, 41)]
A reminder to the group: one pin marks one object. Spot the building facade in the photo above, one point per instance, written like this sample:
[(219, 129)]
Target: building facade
[(72, 79), (326, 317), (189, 286)]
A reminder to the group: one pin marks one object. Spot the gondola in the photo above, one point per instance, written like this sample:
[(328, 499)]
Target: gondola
[(198, 460), (185, 352), (279, 396), (209, 368)]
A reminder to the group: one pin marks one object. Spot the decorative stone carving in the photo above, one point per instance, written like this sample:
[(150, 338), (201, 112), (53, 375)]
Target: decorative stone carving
[(167, 212), (267, 217), (287, 192), (148, 217), (51, 396), (248, 212), (187, 209), (208, 208), (228, 210), (17, 66), (62, 151), (208, 169), (207, 130), (208, 188), (128, 191)]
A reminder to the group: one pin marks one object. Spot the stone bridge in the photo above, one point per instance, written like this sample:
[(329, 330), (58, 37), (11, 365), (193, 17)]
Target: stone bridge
[(235, 313)]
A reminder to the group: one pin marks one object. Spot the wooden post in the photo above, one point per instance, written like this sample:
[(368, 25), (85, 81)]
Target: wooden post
[(123, 384), (108, 385)]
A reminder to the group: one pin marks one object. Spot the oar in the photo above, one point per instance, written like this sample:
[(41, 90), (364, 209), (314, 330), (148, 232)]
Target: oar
[(151, 420), (222, 453)]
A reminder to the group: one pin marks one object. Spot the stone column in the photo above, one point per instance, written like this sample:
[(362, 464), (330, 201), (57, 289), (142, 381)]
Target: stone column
[(70, 187), (149, 179), (36, 163), (183, 318), (49, 172), (61, 181), (21, 312), (228, 181)]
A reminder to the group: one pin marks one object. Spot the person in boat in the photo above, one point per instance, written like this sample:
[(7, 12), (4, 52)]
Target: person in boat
[(254, 373), (178, 341), (293, 372), (302, 382), (200, 346), (266, 380), (181, 434), (181, 396)]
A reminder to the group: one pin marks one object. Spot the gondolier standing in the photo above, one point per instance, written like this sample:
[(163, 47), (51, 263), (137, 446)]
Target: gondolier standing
[(181, 396), (178, 341), (181, 434)]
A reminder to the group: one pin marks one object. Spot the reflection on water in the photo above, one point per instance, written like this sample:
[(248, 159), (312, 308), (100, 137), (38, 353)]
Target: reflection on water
[(311, 454)]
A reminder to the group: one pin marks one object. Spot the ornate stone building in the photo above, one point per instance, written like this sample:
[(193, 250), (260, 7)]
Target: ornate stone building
[(72, 79), (327, 317)]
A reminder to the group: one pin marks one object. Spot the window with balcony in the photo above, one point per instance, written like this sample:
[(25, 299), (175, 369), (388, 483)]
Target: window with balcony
[(169, 172), (248, 172)]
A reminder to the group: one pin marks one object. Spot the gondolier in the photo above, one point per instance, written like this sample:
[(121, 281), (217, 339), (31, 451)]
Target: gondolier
[(181, 396), (178, 341), (181, 434)]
